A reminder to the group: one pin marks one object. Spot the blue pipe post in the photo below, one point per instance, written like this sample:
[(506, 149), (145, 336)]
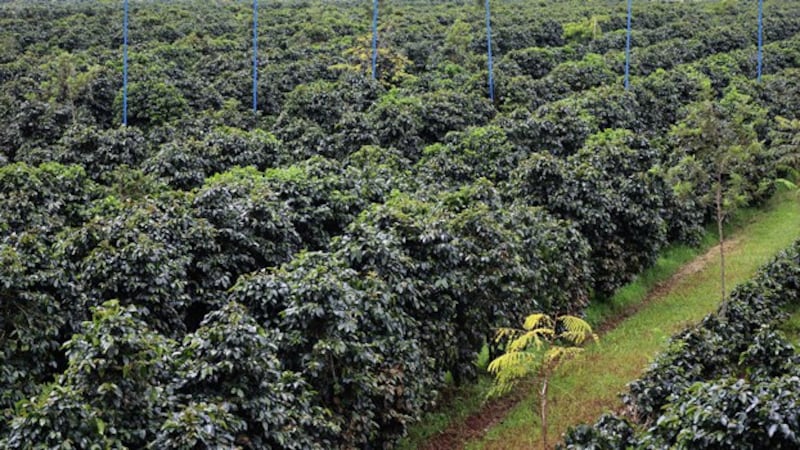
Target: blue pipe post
[(374, 39), (628, 48), (125, 63), (489, 47), (760, 38), (255, 56)]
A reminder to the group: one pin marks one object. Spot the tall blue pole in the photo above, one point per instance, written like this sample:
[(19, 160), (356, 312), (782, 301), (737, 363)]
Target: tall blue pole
[(255, 56), (125, 64), (760, 38), (374, 39), (489, 47), (628, 48)]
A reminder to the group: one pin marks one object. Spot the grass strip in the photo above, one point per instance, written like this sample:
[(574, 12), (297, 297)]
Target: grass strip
[(590, 385), (791, 327)]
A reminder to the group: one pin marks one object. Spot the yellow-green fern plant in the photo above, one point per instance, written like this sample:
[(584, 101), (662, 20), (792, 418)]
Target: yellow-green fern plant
[(536, 350)]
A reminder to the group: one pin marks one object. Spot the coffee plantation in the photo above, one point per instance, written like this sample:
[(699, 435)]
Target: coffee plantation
[(314, 274)]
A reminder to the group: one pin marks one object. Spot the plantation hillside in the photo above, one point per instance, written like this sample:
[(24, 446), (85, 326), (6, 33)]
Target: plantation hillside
[(313, 274)]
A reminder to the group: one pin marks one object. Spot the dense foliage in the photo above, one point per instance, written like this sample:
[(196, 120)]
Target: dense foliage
[(730, 382), (306, 276)]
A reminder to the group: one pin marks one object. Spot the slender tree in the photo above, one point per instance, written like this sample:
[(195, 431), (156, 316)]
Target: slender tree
[(720, 143), (536, 350)]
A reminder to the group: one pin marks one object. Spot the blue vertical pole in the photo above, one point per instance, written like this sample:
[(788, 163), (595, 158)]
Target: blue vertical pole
[(255, 56), (374, 38), (760, 38), (628, 48), (125, 64), (489, 47)]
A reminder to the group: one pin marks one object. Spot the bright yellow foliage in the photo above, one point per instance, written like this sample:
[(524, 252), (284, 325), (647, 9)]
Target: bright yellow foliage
[(537, 348)]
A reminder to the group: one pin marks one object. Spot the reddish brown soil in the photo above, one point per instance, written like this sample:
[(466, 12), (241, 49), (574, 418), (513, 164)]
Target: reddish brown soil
[(474, 426)]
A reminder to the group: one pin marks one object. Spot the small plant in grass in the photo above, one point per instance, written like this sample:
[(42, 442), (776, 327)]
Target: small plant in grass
[(535, 351)]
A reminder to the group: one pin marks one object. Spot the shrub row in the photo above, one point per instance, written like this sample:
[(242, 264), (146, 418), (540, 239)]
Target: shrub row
[(317, 100), (339, 347)]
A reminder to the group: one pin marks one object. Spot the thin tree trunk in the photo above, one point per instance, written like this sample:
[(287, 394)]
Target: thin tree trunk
[(721, 241), (543, 410)]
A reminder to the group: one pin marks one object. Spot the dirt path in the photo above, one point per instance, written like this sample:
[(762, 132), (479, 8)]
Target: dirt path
[(665, 287), (473, 427)]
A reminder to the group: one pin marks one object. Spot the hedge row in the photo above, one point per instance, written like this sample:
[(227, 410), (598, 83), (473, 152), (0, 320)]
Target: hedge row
[(339, 348), (366, 305)]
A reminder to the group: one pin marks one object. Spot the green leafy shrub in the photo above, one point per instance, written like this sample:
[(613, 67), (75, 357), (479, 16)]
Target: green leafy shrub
[(731, 413), (37, 204), (252, 228), (356, 349), (609, 433), (111, 392), (153, 102), (321, 197), (186, 165), (483, 152), (376, 172), (397, 121), (140, 253), (200, 424), (101, 151), (535, 62), (610, 192), (231, 359)]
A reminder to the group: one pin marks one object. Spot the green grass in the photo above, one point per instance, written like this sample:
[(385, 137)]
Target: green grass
[(791, 327), (589, 385), (671, 259), (669, 262)]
